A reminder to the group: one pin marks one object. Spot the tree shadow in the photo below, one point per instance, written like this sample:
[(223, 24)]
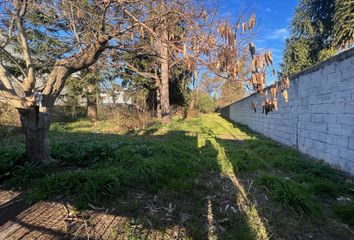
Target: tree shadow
[(176, 185)]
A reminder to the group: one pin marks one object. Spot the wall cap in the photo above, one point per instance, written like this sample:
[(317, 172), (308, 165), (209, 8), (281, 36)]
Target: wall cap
[(337, 58)]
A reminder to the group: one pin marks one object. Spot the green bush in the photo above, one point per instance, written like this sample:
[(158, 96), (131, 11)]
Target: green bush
[(205, 103)]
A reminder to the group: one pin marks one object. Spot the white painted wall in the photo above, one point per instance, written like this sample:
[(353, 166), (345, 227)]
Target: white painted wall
[(318, 119)]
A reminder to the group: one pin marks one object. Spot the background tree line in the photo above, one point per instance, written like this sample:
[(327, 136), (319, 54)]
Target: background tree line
[(318, 30)]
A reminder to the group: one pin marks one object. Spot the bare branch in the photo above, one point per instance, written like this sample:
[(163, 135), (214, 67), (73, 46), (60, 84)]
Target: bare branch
[(143, 74), (14, 61), (30, 81), (11, 92)]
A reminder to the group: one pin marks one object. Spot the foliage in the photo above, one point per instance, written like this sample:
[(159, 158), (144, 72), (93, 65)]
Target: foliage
[(344, 19), (311, 31), (296, 56), (231, 91), (345, 211), (25, 174), (205, 103), (225, 90), (325, 54), (10, 158), (288, 194), (319, 28)]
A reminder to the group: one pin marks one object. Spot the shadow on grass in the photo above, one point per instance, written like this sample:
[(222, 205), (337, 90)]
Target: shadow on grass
[(172, 186), (181, 184)]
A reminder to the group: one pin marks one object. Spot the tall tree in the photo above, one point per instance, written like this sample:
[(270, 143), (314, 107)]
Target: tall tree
[(311, 33), (183, 32), (344, 23)]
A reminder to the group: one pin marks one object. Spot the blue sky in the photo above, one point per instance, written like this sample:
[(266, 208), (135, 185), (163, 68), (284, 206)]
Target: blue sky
[(273, 19)]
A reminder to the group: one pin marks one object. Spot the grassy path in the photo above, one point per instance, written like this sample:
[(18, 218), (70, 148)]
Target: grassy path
[(203, 178)]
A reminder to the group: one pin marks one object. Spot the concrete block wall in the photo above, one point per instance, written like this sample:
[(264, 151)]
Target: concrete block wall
[(318, 118)]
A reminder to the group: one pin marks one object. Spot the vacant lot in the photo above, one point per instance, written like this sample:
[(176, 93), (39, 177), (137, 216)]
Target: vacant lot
[(202, 178)]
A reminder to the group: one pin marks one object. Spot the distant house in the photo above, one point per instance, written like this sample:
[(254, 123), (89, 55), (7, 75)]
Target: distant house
[(119, 97)]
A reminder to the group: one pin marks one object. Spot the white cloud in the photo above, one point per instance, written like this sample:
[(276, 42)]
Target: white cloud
[(268, 10), (279, 34)]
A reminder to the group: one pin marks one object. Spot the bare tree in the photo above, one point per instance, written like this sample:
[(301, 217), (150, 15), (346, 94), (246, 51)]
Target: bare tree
[(183, 32), (63, 37)]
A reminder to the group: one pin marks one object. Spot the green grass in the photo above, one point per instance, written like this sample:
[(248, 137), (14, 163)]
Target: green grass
[(183, 162), (345, 211), (288, 193)]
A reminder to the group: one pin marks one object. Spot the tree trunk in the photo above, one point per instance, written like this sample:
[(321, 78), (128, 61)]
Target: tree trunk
[(158, 103), (92, 109), (165, 96), (35, 126), (91, 103), (191, 104)]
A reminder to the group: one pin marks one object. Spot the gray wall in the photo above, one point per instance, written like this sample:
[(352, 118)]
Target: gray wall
[(318, 119)]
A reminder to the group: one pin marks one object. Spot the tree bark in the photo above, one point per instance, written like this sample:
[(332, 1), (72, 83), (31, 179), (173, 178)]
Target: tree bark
[(35, 126), (92, 109), (165, 96), (158, 103), (91, 103)]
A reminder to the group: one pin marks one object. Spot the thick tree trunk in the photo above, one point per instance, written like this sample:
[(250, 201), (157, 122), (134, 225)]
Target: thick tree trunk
[(165, 96), (92, 109), (35, 126), (91, 103), (191, 104)]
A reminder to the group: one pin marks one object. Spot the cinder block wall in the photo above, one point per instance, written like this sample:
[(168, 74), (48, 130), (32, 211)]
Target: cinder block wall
[(318, 118)]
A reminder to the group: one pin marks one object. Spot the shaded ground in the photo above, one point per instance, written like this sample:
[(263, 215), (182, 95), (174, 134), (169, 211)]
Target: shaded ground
[(199, 179)]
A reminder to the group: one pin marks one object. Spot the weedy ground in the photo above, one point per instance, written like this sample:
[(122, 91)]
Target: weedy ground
[(204, 178)]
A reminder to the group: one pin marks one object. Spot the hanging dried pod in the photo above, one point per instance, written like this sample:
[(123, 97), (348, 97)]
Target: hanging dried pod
[(259, 62), (184, 49), (252, 49), (287, 82), (282, 84), (231, 38), (254, 106), (269, 57), (274, 90), (254, 78), (253, 63), (142, 34), (285, 95), (244, 27), (252, 22), (261, 78), (275, 104), (218, 65), (265, 59)]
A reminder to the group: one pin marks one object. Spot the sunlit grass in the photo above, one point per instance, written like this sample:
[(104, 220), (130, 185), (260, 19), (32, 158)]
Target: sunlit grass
[(99, 165)]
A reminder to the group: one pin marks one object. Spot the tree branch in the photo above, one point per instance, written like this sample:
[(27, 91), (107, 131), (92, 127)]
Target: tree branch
[(143, 74), (8, 90), (30, 81), (14, 61)]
